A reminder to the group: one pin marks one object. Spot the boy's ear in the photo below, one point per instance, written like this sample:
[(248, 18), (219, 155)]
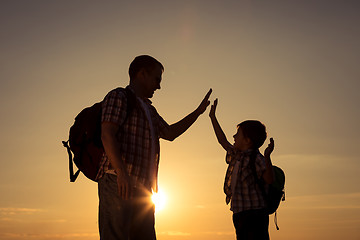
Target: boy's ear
[(143, 72), (248, 141)]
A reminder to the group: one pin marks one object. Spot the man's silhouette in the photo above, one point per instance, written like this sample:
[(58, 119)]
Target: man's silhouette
[(128, 172)]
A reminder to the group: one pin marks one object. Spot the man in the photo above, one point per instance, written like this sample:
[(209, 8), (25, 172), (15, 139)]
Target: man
[(128, 172)]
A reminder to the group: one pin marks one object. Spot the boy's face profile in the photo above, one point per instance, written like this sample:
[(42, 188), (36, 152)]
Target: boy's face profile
[(240, 141)]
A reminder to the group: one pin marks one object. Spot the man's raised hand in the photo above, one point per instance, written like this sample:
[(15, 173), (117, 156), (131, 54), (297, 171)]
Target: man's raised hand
[(204, 103)]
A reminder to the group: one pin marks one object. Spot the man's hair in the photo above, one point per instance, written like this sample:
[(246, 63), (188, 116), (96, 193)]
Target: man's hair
[(255, 131), (143, 61)]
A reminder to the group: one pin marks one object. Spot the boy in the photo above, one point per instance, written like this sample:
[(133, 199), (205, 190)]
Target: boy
[(247, 170)]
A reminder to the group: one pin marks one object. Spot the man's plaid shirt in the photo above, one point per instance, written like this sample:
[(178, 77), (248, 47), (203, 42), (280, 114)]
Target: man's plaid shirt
[(246, 194), (134, 137)]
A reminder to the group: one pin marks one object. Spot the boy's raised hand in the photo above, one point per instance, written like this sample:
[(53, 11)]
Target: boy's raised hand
[(213, 108), (269, 149)]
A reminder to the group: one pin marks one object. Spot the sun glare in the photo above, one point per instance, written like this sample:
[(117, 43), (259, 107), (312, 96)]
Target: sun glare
[(159, 199)]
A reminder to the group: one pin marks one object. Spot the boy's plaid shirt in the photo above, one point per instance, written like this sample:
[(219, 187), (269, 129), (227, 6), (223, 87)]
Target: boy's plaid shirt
[(246, 194), (135, 137)]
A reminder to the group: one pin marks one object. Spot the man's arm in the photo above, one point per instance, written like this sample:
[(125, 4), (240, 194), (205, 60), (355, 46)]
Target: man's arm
[(268, 175), (181, 126), (111, 145), (220, 135)]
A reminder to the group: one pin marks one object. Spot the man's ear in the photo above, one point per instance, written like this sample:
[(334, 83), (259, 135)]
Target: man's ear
[(141, 74)]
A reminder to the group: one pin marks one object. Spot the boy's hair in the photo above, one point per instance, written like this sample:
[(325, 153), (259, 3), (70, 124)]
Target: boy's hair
[(255, 131), (143, 61)]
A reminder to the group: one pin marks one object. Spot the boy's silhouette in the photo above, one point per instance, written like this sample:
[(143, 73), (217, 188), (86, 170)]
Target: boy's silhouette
[(247, 201)]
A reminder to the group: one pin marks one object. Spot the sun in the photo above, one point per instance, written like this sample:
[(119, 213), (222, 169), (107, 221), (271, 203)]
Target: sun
[(159, 199)]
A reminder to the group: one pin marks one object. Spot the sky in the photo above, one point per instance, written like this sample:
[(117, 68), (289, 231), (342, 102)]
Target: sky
[(291, 64)]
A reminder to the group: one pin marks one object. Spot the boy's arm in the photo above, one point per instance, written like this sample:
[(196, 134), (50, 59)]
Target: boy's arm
[(268, 175), (220, 135), (181, 126)]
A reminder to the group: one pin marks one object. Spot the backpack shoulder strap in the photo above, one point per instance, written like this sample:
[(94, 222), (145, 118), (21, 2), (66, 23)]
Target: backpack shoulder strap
[(253, 169), (130, 105), (131, 101)]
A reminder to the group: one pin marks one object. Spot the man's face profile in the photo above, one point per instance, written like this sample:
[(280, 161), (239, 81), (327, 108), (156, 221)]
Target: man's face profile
[(152, 81)]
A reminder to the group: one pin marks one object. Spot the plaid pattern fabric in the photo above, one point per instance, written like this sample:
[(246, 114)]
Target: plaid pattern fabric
[(246, 194), (134, 137)]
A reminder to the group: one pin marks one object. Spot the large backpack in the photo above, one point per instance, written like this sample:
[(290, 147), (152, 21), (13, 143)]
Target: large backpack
[(84, 146)]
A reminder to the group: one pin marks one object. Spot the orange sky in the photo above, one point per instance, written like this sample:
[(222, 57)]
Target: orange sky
[(292, 65)]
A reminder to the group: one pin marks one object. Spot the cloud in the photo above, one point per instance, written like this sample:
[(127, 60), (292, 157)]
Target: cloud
[(46, 236), (349, 196), (23, 215), (16, 211), (174, 233), (325, 201), (220, 233)]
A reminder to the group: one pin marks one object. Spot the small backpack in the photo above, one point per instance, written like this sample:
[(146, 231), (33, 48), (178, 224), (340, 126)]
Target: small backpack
[(84, 146), (275, 193)]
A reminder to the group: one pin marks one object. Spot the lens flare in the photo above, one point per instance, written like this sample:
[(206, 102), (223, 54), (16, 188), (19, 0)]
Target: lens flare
[(159, 199)]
